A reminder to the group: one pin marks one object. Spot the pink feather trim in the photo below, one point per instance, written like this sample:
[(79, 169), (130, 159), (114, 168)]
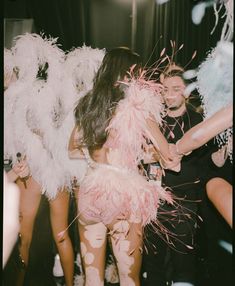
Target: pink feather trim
[(142, 101), (109, 193)]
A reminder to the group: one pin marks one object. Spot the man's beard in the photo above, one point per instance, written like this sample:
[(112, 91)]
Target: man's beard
[(174, 108)]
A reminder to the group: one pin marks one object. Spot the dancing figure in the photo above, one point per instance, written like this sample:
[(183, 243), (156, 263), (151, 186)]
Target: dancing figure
[(113, 121), (33, 114)]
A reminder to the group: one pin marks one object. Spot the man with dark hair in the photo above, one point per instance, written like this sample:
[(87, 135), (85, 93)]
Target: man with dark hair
[(176, 264)]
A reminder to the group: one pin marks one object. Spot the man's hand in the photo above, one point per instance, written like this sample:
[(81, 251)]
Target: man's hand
[(174, 163)]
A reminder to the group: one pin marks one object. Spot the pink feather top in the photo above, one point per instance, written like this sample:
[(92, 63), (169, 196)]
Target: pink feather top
[(128, 128)]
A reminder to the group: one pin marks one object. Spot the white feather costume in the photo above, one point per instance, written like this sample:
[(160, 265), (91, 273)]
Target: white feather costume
[(215, 85), (8, 62), (79, 69), (32, 110), (215, 78), (45, 109)]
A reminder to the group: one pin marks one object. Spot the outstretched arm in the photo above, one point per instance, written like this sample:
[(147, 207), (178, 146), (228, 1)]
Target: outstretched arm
[(75, 151), (205, 130)]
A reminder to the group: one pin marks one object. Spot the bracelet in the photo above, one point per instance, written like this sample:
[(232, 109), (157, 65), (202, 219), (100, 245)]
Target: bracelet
[(26, 178), (180, 153), (161, 163)]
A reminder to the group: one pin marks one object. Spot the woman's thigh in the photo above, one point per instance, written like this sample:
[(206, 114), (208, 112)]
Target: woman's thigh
[(93, 240)]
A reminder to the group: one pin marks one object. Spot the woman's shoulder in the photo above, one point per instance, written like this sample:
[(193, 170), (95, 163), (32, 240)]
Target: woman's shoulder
[(100, 155)]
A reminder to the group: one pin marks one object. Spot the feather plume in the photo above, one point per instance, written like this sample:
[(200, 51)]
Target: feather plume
[(80, 67), (215, 85), (142, 100), (31, 51)]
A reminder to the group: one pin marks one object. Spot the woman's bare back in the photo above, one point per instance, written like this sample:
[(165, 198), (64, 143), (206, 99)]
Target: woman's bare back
[(100, 155)]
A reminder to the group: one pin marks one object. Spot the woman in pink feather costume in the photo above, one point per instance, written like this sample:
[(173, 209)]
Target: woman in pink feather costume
[(113, 122)]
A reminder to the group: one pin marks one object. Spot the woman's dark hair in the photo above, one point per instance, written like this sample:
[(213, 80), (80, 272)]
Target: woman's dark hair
[(94, 111)]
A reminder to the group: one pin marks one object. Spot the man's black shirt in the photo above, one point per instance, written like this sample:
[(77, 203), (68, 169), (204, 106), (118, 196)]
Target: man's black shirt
[(173, 129)]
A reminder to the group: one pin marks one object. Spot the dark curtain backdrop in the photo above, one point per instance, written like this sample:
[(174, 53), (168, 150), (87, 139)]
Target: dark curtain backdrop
[(109, 23), (173, 21)]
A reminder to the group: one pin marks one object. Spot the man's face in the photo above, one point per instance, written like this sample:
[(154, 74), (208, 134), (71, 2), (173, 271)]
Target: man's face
[(173, 92)]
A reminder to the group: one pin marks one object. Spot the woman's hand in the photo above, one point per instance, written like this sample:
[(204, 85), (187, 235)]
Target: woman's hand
[(150, 154), (21, 168), (220, 156), (174, 163)]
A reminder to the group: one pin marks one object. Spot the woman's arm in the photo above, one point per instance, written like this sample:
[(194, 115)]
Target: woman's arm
[(75, 151), (205, 130), (158, 140), (12, 176), (11, 224)]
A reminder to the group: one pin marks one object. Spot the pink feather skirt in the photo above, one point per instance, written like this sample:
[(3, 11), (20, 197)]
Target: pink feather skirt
[(108, 193)]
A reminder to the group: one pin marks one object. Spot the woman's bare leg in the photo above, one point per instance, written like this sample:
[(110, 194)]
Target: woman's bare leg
[(93, 240), (29, 203), (127, 238), (220, 193), (59, 208)]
